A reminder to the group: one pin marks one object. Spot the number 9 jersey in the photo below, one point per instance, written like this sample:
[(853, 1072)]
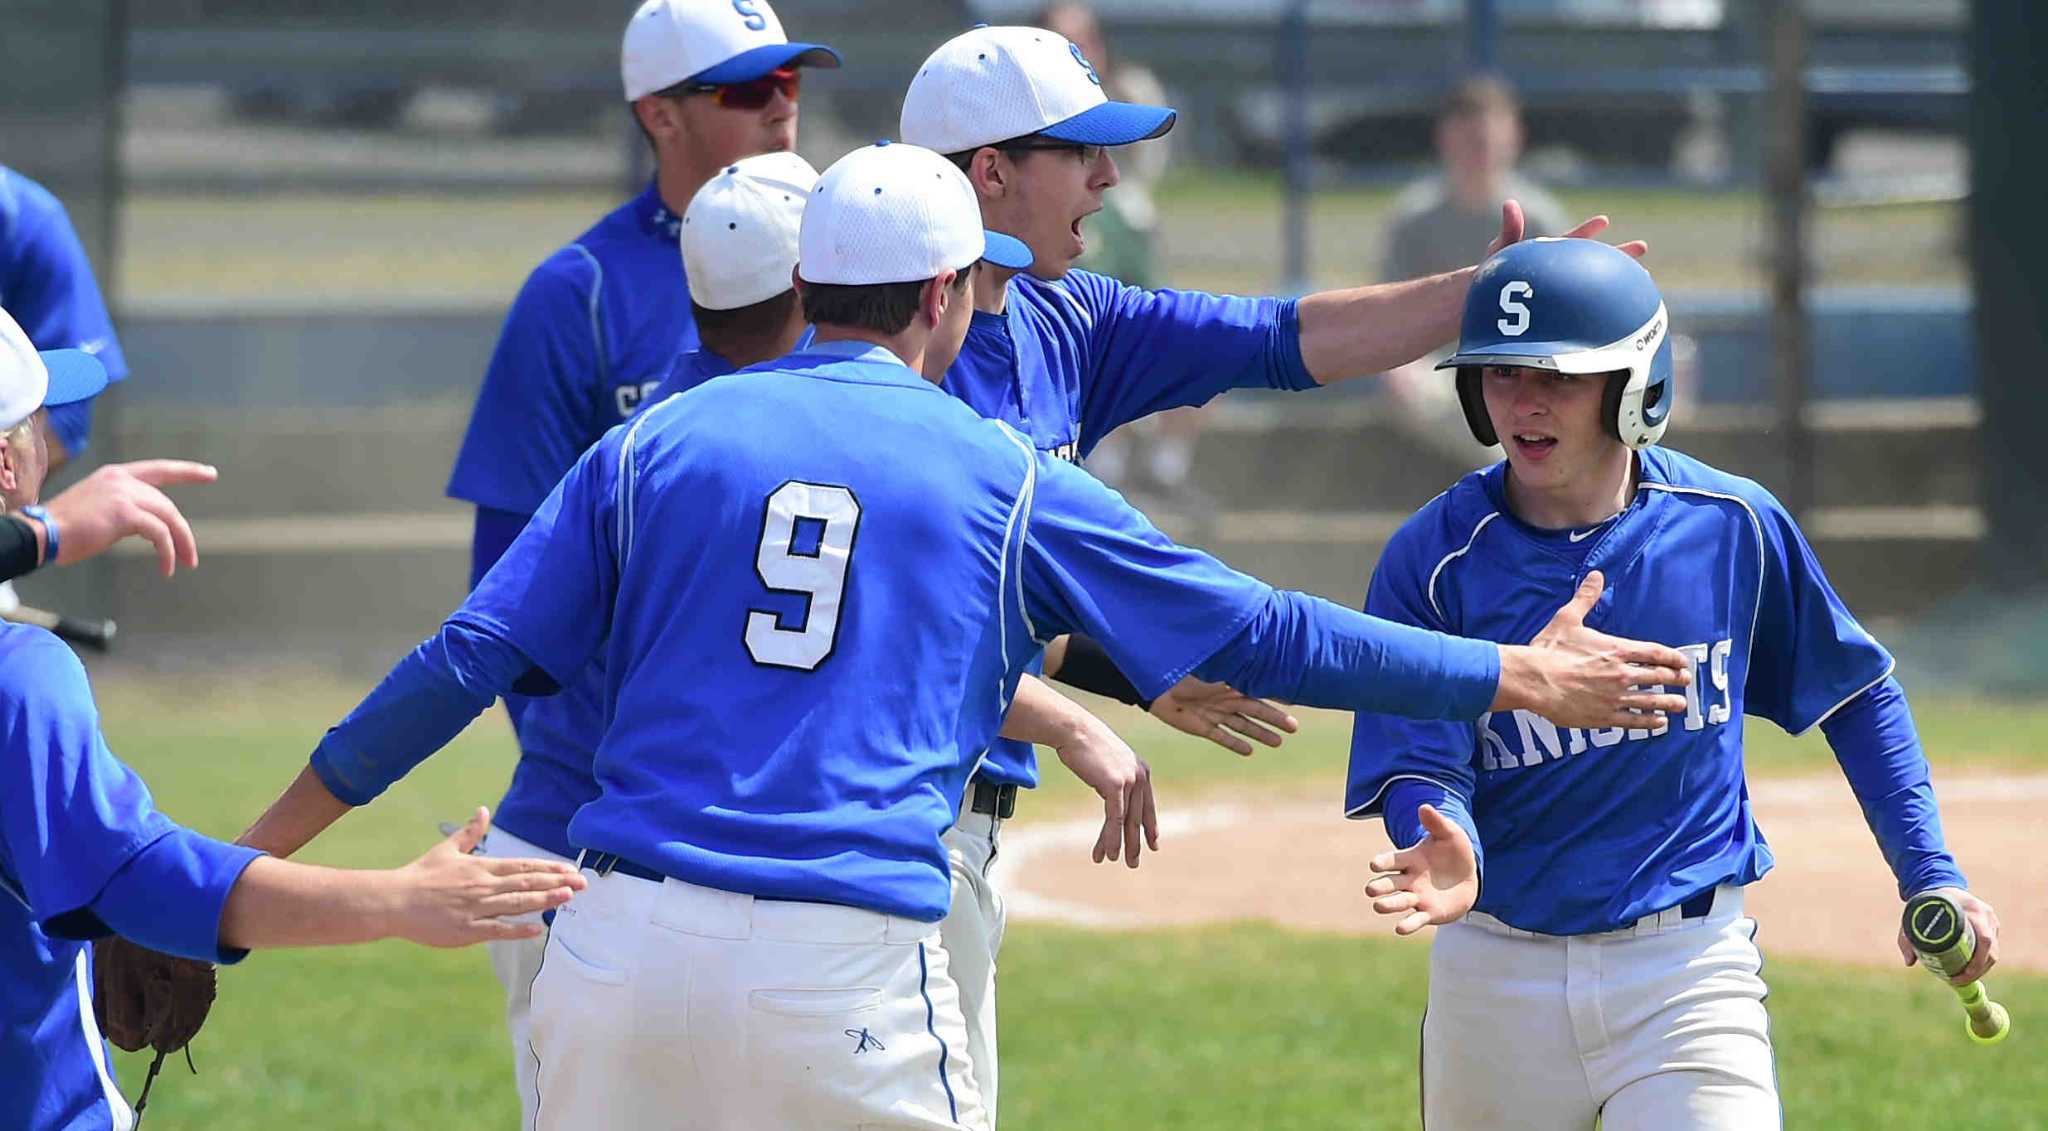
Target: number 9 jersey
[(823, 580)]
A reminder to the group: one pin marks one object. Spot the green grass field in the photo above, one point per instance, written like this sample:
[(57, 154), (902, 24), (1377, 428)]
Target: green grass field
[(1238, 1027)]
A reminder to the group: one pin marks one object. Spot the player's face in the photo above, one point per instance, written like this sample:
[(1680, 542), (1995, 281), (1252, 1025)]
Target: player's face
[(1050, 192), (1549, 423), (727, 129)]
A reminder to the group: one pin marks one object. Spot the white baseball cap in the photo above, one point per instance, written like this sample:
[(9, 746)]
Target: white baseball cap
[(896, 214), (740, 231), (997, 83), (31, 379), (708, 41)]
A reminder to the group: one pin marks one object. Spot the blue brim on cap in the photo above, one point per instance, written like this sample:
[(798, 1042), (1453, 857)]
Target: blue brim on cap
[(75, 375), (752, 64), (1113, 123), (1005, 251)]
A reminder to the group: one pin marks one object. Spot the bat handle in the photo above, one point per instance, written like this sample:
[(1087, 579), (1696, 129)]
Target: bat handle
[(1986, 1021)]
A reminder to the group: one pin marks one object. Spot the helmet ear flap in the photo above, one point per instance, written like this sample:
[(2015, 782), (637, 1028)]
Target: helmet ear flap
[(1474, 404), (1610, 404)]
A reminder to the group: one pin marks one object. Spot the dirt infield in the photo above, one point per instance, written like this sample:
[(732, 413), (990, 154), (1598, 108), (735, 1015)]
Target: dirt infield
[(1295, 861)]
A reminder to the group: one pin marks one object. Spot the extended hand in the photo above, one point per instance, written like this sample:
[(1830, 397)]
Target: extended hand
[(1124, 782), (1983, 920), (1578, 677), (1512, 227), (1430, 883), (1214, 710), (123, 500), (451, 898)]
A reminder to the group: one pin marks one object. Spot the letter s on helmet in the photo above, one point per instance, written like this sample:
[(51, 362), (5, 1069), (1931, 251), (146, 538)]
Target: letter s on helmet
[(1570, 306)]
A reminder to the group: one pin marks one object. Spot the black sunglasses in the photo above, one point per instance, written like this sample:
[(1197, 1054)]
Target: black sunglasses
[(1087, 153)]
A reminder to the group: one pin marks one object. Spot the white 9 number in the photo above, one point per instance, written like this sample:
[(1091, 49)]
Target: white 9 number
[(1508, 294), (806, 545)]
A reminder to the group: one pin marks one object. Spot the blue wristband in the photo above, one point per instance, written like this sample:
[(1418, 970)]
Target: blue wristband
[(42, 514)]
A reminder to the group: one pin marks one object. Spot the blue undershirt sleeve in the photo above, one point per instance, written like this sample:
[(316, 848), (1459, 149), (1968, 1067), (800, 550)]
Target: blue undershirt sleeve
[(494, 534), (1303, 649), (1094, 564), (1874, 739), (420, 707)]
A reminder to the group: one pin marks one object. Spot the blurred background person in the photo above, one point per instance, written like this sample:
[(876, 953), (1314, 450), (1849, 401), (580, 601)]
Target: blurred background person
[(1437, 222), (47, 283)]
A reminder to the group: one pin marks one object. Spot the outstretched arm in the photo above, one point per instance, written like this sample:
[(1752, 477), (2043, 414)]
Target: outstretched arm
[(540, 608), (445, 898), (1367, 330)]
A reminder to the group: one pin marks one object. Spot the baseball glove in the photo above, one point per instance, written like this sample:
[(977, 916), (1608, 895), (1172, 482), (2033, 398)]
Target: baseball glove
[(144, 999)]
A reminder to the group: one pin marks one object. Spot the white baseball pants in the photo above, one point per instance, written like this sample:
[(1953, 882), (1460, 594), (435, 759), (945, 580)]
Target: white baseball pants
[(973, 935), (1656, 1027), (664, 1005), (516, 962)]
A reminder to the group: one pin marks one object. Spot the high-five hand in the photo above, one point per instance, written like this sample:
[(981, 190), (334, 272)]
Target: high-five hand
[(1513, 227), (1579, 677), (1220, 713), (1432, 882)]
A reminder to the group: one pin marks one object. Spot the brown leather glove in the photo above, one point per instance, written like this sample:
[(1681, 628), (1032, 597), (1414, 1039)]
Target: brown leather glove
[(144, 999)]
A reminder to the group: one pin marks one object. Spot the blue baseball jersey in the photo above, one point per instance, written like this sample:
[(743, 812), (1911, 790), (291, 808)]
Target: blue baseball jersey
[(1588, 830), (592, 333), (82, 850), (817, 621), (47, 285), (1068, 362)]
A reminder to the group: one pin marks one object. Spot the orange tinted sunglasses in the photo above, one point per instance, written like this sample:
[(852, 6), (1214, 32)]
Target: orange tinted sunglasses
[(753, 94)]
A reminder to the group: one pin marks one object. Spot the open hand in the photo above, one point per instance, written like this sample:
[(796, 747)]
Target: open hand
[(125, 500), (449, 897), (1430, 883), (1579, 677), (1513, 226), (1215, 710)]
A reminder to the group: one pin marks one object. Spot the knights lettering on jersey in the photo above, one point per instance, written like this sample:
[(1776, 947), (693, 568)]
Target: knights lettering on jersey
[(1517, 739), (1069, 451)]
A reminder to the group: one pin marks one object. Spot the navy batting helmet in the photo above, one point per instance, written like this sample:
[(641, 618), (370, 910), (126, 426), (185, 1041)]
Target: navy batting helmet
[(1570, 306)]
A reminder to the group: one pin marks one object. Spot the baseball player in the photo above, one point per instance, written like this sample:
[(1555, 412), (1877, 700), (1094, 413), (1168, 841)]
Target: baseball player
[(84, 853), (593, 330), (1605, 970), (1066, 356), (739, 239), (810, 631), (47, 284)]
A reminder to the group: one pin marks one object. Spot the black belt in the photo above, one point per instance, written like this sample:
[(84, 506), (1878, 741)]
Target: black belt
[(1699, 906), (999, 801), (605, 863)]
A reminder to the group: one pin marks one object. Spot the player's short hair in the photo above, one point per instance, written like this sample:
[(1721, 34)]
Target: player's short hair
[(884, 308), (742, 324), (1482, 94)]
